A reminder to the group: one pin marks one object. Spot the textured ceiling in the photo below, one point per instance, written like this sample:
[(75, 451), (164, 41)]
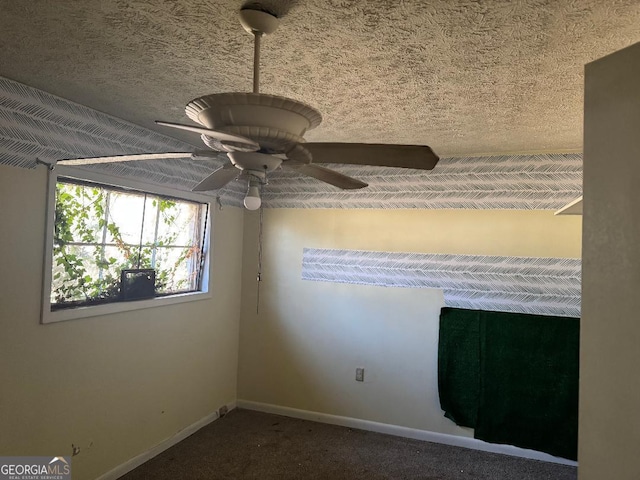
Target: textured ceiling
[(466, 77)]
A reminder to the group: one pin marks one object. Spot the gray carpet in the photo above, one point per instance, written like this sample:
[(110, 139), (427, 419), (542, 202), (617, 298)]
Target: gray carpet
[(252, 445)]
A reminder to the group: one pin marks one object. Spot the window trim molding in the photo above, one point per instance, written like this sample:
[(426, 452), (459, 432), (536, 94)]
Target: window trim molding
[(47, 316)]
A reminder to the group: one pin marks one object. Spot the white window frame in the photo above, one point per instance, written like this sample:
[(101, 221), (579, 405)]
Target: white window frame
[(49, 316)]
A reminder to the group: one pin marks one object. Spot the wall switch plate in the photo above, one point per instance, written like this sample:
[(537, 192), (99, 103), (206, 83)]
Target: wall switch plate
[(359, 374)]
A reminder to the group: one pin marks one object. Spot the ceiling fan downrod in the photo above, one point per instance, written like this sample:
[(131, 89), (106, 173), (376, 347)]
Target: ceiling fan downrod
[(256, 61), (258, 23)]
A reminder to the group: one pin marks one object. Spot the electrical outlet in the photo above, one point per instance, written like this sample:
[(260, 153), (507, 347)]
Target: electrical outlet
[(359, 374)]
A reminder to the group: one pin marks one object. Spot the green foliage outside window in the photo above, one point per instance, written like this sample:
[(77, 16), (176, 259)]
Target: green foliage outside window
[(100, 231)]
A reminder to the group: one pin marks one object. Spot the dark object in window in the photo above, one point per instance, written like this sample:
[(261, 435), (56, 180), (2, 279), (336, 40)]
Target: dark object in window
[(136, 284)]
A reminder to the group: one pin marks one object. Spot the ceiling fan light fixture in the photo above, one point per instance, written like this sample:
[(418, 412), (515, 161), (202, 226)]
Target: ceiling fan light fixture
[(252, 200)]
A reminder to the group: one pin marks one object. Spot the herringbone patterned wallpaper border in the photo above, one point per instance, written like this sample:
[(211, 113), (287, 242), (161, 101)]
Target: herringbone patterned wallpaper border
[(544, 286)]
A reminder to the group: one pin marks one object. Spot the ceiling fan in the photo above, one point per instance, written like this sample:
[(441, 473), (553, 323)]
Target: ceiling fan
[(261, 133)]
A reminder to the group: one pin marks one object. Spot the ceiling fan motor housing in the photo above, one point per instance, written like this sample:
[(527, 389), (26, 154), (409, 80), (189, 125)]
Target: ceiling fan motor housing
[(254, 162), (275, 122)]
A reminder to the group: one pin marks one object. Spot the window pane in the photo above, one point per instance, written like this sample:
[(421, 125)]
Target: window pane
[(117, 259), (176, 269), (150, 218), (77, 276), (179, 224), (125, 217), (79, 210)]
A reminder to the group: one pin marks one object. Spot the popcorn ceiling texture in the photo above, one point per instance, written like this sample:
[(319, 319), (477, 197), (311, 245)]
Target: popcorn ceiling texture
[(465, 77)]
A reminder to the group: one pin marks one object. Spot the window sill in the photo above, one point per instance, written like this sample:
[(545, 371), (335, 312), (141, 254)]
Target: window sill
[(119, 307)]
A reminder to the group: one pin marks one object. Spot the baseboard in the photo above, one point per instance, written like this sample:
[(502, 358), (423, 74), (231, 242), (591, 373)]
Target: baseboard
[(138, 460), (399, 431)]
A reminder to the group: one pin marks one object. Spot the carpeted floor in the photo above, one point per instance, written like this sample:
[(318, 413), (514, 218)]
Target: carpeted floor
[(252, 445)]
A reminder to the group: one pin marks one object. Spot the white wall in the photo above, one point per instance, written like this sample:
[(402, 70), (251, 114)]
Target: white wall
[(302, 348), (113, 385), (609, 432)]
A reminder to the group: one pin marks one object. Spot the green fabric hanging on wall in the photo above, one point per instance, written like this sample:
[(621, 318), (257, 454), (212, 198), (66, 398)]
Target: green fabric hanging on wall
[(459, 365), (525, 380)]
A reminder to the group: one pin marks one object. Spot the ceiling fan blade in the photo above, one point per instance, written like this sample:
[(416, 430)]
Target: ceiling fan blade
[(207, 154), (376, 154), (221, 136), (218, 179), (129, 158), (326, 175)]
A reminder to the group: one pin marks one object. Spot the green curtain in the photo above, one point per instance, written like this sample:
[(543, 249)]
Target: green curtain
[(512, 377), (459, 365)]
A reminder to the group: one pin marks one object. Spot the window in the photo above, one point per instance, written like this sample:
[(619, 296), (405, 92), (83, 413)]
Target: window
[(110, 245)]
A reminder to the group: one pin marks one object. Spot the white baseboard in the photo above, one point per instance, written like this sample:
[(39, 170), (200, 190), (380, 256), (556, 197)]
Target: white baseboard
[(407, 432), (138, 460)]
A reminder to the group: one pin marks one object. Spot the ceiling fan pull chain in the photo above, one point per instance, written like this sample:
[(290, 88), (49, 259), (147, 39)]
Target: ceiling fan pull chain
[(259, 276)]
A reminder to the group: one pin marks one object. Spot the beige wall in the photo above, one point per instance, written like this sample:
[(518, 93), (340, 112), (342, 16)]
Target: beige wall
[(113, 385), (302, 348), (117, 385), (610, 387)]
